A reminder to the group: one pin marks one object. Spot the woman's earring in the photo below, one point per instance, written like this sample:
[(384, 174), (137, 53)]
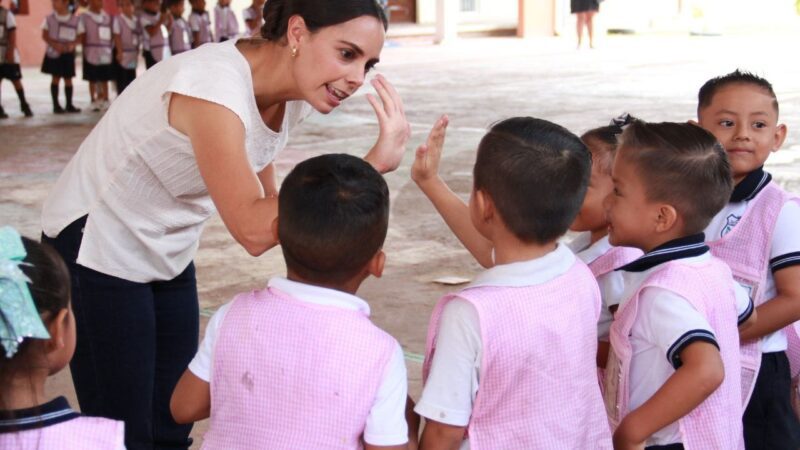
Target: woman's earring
[(294, 52)]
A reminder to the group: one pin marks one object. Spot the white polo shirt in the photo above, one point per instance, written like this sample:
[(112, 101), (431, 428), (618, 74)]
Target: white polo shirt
[(386, 424), (454, 376)]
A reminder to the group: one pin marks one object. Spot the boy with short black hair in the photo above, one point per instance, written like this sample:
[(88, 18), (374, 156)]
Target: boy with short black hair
[(9, 60), (673, 380), (511, 358), (299, 364), (756, 234)]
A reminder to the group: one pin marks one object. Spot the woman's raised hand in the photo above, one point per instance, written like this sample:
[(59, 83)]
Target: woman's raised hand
[(429, 154), (395, 130)]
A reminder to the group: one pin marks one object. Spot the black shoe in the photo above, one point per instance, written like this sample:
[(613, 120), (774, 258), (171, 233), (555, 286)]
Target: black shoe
[(26, 109), (3, 114), (57, 109), (73, 109)]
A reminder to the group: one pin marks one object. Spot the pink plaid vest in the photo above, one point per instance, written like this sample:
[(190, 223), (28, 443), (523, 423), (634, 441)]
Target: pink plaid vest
[(98, 40), (156, 43), (537, 379), (180, 37), (717, 422), (746, 249), (62, 32), (226, 26), (289, 374), (613, 259), (80, 433)]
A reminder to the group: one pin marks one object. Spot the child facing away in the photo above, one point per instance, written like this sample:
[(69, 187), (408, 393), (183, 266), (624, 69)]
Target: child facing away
[(200, 23), (299, 364), (94, 33), (37, 333), (9, 60), (60, 33), (155, 46), (253, 18), (592, 245), (510, 360), (673, 378), (180, 37), (756, 234), (226, 25), (127, 41)]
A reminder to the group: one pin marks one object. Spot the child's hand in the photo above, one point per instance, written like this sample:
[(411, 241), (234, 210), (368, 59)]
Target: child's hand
[(429, 154), (395, 130)]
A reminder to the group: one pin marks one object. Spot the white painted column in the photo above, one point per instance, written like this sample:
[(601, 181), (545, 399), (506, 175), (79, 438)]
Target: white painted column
[(446, 21)]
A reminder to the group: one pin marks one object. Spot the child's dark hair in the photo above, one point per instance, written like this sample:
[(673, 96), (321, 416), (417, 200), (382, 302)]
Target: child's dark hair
[(681, 164), (316, 14), (333, 214), (706, 94), (170, 3), (536, 173)]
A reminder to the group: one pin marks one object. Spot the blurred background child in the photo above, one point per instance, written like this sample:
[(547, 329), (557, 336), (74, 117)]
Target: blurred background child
[(180, 37), (60, 32), (127, 41), (253, 17), (155, 23), (94, 33), (200, 23), (226, 25), (9, 60)]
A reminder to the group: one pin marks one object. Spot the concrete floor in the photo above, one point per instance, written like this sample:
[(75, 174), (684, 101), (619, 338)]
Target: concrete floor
[(477, 82)]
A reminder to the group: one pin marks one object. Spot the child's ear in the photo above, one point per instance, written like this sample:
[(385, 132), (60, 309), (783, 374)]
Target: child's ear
[(274, 229), (666, 218), (57, 329), (485, 206), (376, 264), (780, 136)]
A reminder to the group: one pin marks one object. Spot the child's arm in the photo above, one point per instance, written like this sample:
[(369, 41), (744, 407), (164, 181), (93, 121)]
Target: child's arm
[(118, 47), (440, 436), (191, 399), (425, 172), (195, 39), (779, 311), (700, 375), (412, 419), (52, 42), (12, 44)]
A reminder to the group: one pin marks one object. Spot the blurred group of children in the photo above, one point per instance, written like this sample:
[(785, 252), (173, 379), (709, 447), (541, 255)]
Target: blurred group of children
[(111, 45), (664, 325)]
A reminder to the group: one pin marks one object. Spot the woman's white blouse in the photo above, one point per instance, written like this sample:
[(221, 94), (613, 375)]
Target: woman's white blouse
[(136, 177)]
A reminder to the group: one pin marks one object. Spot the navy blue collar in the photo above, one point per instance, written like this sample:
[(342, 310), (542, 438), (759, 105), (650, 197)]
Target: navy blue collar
[(53, 412), (751, 185), (685, 247)]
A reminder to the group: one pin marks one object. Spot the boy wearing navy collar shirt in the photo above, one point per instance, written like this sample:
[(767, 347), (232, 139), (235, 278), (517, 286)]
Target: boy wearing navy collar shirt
[(756, 234), (673, 379)]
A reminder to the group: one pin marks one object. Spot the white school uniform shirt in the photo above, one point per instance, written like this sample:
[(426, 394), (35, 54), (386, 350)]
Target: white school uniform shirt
[(665, 324), (137, 178), (452, 383), (611, 284), (785, 240), (98, 18), (386, 423)]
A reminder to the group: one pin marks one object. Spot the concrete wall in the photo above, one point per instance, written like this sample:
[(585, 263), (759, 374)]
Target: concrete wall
[(491, 11)]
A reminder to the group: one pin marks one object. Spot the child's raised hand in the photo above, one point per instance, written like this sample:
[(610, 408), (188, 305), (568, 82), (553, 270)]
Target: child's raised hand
[(429, 154)]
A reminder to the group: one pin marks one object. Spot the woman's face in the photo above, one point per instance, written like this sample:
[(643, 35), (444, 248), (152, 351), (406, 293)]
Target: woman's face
[(332, 63)]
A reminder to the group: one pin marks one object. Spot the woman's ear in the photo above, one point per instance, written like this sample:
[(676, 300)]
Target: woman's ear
[(295, 30)]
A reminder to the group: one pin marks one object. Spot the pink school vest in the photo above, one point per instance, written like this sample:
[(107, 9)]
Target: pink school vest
[(226, 26), (130, 38), (717, 422), (98, 40), (80, 433), (205, 27), (613, 259), (180, 37), (62, 32), (537, 380), (746, 249), (288, 374), (156, 43)]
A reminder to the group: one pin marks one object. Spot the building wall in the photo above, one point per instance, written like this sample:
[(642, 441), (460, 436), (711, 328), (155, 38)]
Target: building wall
[(491, 11)]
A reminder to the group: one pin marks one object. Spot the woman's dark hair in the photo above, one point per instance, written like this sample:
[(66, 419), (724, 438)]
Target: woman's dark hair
[(316, 13)]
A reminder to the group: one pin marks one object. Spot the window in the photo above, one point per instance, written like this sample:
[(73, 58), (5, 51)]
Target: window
[(469, 5)]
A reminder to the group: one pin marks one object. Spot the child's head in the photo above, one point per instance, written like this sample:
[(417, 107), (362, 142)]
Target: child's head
[(126, 6), (60, 6), (95, 5), (224, 3), (670, 179), (151, 5), (37, 326), (535, 174), (333, 215), (741, 110), (602, 143), (198, 5), (176, 7)]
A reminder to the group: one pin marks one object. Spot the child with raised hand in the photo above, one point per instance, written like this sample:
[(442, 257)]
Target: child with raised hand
[(60, 33), (180, 39), (94, 33), (510, 360), (756, 234), (226, 25), (9, 60), (299, 364), (673, 380), (37, 333), (592, 245), (155, 45), (200, 23)]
